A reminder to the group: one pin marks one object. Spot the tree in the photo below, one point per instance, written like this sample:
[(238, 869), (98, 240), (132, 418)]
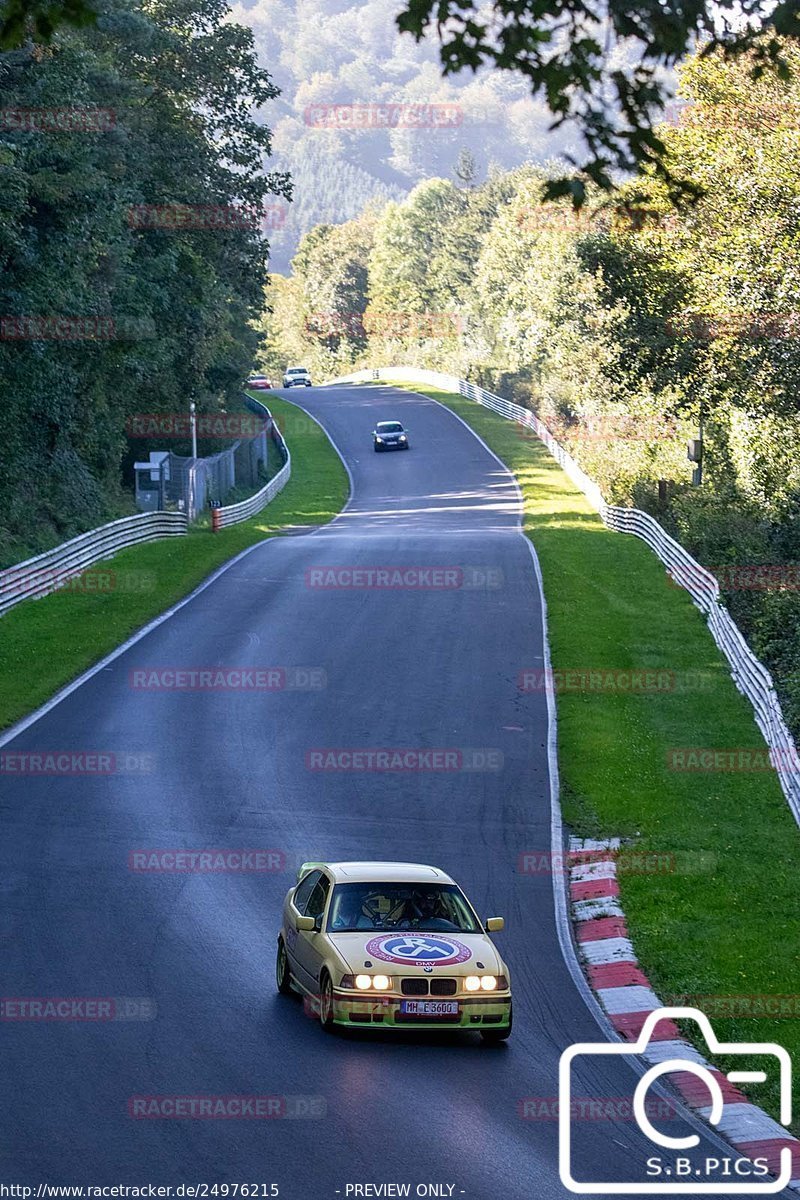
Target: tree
[(607, 76)]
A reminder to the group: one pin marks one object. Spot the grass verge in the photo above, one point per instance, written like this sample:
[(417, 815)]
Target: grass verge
[(719, 917), (46, 643)]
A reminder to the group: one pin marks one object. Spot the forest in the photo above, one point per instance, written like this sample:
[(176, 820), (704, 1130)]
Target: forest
[(630, 326)]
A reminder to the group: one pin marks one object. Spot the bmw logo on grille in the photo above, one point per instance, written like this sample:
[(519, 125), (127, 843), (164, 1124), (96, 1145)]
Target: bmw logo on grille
[(427, 968)]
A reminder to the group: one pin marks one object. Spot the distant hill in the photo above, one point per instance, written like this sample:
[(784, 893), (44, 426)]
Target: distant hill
[(364, 112)]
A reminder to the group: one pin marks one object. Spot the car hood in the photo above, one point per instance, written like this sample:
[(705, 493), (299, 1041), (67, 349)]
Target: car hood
[(389, 436), (409, 953)]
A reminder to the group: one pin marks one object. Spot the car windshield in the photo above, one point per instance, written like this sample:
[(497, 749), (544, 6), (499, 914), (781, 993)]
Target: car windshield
[(297, 371), (420, 906), (390, 427)]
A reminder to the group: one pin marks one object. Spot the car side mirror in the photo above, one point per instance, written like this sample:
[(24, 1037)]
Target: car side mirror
[(306, 924), (495, 924)]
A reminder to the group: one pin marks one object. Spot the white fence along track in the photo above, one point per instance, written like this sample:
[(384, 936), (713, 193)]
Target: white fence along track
[(50, 571), (750, 675)]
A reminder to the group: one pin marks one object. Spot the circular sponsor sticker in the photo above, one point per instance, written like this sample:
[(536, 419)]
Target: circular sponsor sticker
[(424, 950)]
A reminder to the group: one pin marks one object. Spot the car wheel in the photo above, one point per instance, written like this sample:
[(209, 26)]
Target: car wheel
[(493, 1036), (283, 976), (326, 1002), (377, 449)]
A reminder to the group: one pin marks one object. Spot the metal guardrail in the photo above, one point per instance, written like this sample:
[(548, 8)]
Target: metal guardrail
[(749, 674), (50, 571), (231, 514)]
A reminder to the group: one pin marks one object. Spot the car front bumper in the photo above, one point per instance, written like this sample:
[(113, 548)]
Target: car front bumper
[(391, 445), (479, 1012)]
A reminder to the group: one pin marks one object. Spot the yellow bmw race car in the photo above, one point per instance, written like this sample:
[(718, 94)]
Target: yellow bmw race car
[(394, 945)]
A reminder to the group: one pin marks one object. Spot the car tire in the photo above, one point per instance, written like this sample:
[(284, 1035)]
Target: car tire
[(377, 449), (326, 1002), (493, 1037), (283, 976)]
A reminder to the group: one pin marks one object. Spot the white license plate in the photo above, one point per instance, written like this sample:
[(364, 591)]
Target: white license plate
[(430, 1008)]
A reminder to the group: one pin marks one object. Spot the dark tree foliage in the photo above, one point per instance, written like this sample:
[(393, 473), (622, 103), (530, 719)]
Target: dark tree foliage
[(603, 66), (176, 87)]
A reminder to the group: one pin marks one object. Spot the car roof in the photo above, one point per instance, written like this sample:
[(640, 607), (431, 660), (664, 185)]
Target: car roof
[(385, 872), (380, 423)]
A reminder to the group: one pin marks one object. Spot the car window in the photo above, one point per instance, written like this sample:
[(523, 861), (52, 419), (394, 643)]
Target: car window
[(394, 907), (316, 903), (304, 889), (390, 427)]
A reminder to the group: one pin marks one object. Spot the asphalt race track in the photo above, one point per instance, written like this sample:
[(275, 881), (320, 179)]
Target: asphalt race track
[(412, 667)]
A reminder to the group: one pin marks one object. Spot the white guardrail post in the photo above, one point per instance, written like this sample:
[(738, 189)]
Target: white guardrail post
[(749, 674)]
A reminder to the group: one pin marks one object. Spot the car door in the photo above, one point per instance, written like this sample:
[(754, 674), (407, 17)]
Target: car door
[(296, 907), (310, 945)]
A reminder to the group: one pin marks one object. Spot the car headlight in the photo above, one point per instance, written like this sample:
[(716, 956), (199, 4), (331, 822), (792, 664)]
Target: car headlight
[(380, 983), (402, 437), (363, 982), (377, 439), (485, 983)]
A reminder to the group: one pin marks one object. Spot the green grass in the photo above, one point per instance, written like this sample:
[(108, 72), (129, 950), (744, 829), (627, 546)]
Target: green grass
[(724, 918), (46, 643)]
